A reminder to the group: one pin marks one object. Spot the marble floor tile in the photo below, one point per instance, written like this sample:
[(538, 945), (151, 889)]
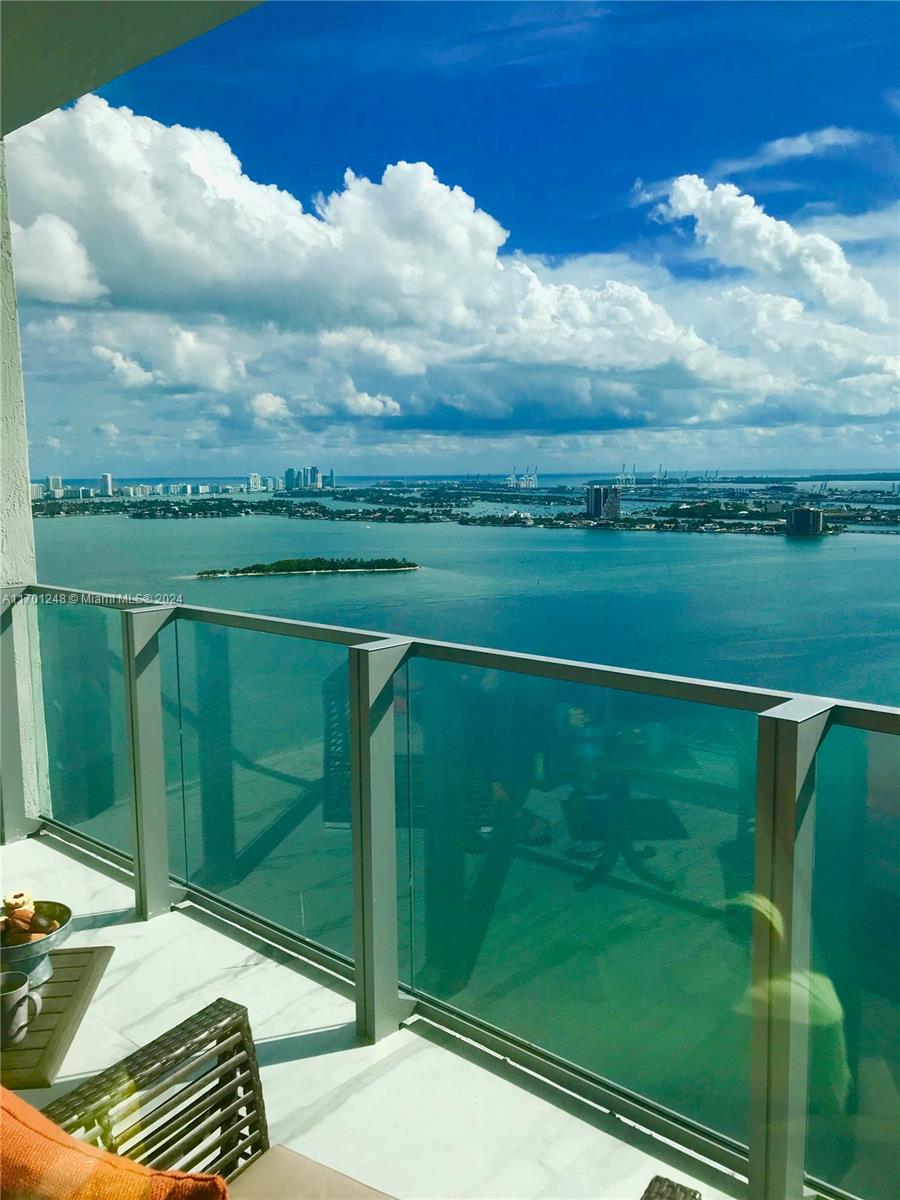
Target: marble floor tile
[(95, 1046), (420, 1116)]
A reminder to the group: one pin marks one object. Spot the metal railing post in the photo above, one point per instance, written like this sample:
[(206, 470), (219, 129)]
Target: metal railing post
[(789, 737), (143, 715), (379, 1007), (16, 822)]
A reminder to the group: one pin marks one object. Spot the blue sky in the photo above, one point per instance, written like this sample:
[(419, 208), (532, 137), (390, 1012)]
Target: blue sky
[(653, 231), (545, 113)]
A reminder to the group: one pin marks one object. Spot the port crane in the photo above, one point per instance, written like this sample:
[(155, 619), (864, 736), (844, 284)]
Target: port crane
[(528, 480)]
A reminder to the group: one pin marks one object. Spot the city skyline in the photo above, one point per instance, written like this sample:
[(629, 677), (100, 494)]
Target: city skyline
[(356, 259), (55, 485), (641, 472)]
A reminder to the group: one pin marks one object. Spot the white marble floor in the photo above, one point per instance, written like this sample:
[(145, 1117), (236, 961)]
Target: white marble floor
[(420, 1115)]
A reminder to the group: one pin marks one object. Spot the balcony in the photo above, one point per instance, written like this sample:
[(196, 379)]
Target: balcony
[(419, 1114), (506, 925)]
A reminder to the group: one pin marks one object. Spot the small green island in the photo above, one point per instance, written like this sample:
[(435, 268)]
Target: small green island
[(314, 566)]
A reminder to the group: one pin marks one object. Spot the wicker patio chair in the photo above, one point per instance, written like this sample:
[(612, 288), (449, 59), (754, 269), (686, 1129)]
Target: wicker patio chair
[(189, 1101), (660, 1188)]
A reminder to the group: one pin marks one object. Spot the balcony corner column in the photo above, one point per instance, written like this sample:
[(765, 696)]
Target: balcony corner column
[(789, 738), (143, 715), (379, 1006)]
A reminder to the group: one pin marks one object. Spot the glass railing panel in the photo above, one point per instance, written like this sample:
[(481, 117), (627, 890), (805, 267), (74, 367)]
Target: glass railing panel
[(82, 690), (265, 745), (854, 1049), (403, 762), (171, 725), (580, 863)]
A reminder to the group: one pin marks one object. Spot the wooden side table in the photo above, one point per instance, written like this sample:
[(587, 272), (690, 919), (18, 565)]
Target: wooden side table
[(35, 1061)]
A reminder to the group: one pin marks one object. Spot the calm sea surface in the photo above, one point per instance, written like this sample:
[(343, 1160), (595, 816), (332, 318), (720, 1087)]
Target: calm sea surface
[(814, 616)]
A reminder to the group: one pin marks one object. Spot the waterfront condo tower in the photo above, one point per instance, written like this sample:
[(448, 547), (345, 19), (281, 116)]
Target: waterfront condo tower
[(603, 503), (805, 521)]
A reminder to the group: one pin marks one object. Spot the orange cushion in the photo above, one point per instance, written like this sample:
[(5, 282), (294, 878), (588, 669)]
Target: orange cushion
[(40, 1162)]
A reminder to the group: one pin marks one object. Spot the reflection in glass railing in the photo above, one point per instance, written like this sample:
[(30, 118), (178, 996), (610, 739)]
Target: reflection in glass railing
[(265, 812), (575, 864), (403, 761), (854, 1013), (84, 713), (171, 730), (578, 854)]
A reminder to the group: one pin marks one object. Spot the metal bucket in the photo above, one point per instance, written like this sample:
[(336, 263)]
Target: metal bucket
[(32, 958)]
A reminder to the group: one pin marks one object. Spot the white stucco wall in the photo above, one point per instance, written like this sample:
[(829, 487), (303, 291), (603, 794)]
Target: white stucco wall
[(16, 533), (23, 748)]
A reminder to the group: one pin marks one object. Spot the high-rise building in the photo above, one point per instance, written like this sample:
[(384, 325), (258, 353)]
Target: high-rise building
[(603, 503), (254, 483), (805, 521), (106, 485), (37, 491), (54, 483), (304, 477)]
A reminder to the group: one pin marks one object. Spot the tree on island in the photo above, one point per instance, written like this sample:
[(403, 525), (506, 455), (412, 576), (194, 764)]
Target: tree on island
[(309, 566)]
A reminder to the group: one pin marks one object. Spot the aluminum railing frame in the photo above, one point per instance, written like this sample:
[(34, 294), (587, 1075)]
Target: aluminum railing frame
[(790, 729), (874, 718)]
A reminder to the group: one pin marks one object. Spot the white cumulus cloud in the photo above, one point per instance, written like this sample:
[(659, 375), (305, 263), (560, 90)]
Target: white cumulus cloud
[(131, 373), (110, 431), (52, 264), (738, 232), (394, 309), (361, 404), (266, 407)]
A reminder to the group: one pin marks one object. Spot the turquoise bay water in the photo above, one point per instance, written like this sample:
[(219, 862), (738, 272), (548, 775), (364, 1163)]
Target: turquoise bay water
[(813, 616), (570, 857)]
